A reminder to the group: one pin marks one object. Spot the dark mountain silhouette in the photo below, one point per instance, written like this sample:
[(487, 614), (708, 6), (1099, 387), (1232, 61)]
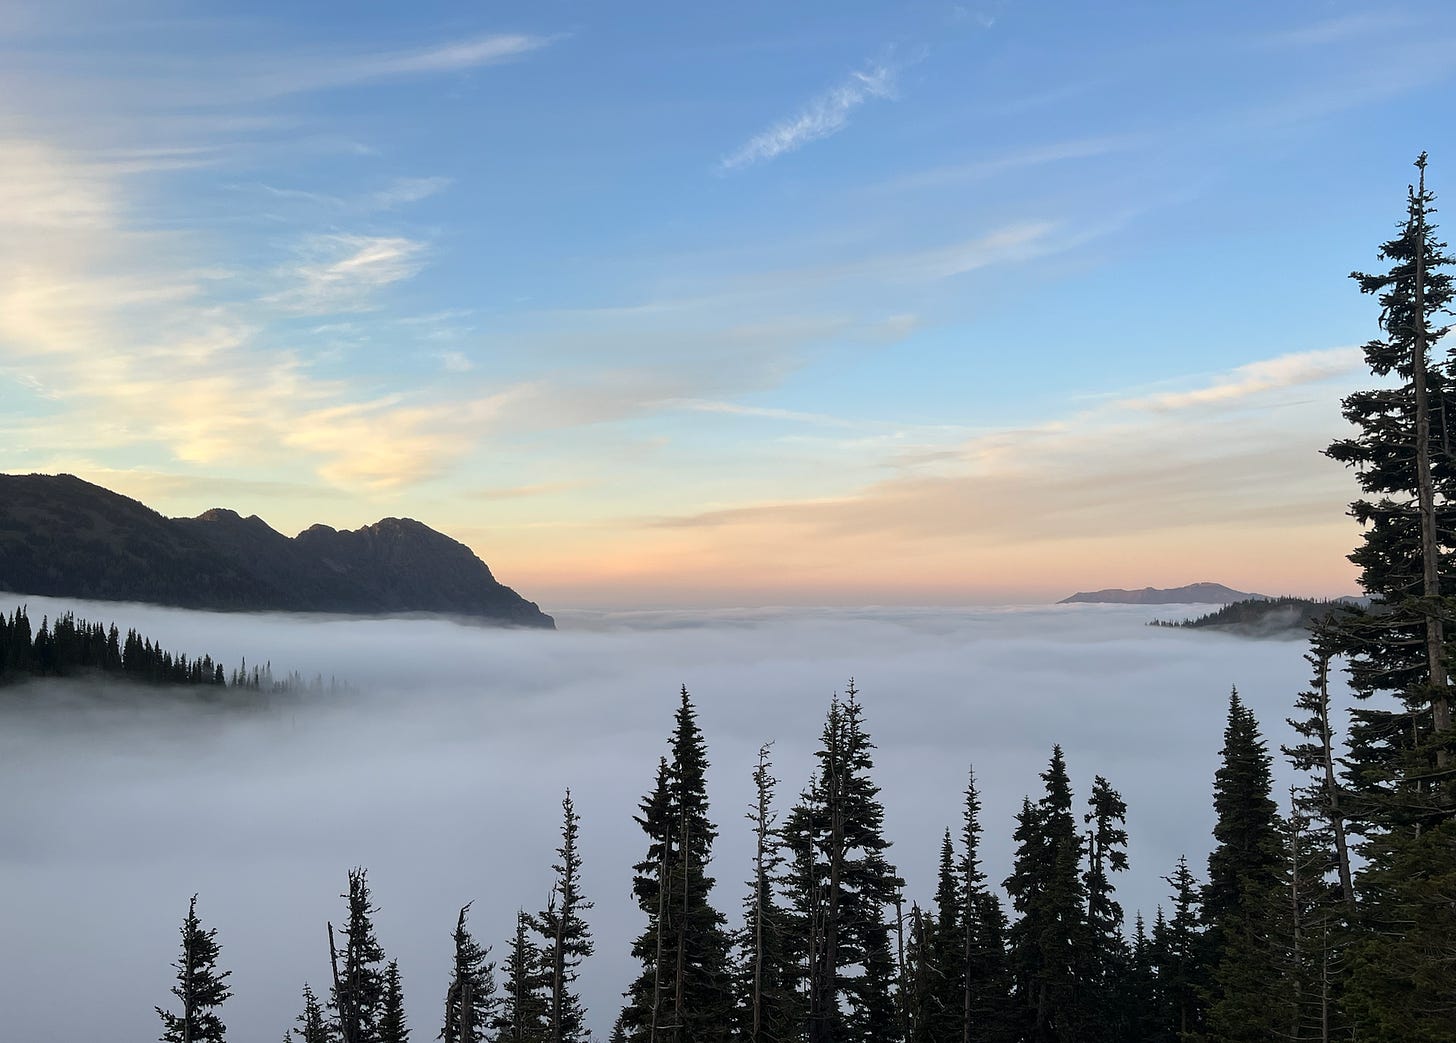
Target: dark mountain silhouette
[(63, 537), (1193, 594)]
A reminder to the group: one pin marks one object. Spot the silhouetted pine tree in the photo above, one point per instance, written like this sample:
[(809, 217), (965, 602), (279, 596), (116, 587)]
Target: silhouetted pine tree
[(1245, 888), (769, 1010), (1049, 942), (842, 886), (522, 1014), (1107, 953), (1322, 798), (917, 980), (311, 1025), (566, 938), (684, 993), (470, 999), (1138, 991), (357, 998), (987, 1014), (392, 1026), (201, 988), (1402, 983), (1178, 957)]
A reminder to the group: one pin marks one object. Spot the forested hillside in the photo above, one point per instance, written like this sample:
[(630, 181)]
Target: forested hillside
[(71, 647)]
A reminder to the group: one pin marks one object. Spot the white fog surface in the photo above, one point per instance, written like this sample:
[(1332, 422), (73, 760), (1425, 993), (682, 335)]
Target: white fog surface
[(443, 773)]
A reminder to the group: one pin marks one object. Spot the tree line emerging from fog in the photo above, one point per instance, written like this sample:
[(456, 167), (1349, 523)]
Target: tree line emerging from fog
[(1332, 920), (68, 647)]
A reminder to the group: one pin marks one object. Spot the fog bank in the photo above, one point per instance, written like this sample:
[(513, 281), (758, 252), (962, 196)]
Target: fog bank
[(443, 772)]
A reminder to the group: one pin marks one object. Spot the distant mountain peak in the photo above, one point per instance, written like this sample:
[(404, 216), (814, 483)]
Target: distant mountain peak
[(1204, 593), (64, 537)]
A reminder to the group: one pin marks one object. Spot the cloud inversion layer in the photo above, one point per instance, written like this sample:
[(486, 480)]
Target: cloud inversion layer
[(444, 777)]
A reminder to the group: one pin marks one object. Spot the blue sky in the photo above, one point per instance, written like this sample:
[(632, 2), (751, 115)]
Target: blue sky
[(734, 303)]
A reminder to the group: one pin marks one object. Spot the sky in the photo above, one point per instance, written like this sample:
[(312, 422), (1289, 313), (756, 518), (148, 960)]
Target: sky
[(741, 304), (442, 773)]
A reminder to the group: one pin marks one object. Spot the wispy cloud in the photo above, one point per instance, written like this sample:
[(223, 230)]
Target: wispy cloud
[(1219, 483), (825, 115), (1306, 367), (1056, 152), (324, 72), (343, 272), (405, 190)]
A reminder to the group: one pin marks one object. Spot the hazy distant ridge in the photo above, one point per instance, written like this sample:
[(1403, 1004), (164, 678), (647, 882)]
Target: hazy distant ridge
[(1192, 594), (63, 537)]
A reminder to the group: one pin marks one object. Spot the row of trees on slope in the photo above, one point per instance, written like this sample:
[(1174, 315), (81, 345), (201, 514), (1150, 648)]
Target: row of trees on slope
[(1335, 920), (70, 647)]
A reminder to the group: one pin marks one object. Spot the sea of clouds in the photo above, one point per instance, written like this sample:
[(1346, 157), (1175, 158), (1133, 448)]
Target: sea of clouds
[(442, 772)]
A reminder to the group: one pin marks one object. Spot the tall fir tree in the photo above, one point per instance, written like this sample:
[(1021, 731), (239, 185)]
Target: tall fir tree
[(392, 1021), (1138, 990), (201, 988), (769, 1009), (684, 993), (1107, 953), (566, 938), (1401, 763), (522, 1016), (987, 1013), (843, 886), (470, 999), (1049, 941), (1179, 958), (1245, 886), (312, 1028), (1317, 756), (357, 997), (943, 1017)]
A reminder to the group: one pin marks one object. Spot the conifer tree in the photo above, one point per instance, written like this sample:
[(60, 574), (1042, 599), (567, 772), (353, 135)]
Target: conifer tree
[(1311, 929), (565, 935), (357, 997), (312, 1028), (392, 1026), (1138, 992), (522, 1016), (684, 992), (1402, 981), (1049, 942), (943, 1015), (1244, 890), (917, 981), (1178, 957), (1322, 798), (470, 999), (987, 1015), (1107, 950), (619, 1031), (769, 1008), (843, 886), (201, 988)]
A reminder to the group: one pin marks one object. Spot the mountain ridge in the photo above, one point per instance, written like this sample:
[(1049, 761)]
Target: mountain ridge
[(1202, 593), (61, 536)]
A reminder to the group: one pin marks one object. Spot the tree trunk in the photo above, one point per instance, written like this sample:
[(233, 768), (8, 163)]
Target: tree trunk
[(346, 1029), (682, 939), (1332, 790), (1425, 490)]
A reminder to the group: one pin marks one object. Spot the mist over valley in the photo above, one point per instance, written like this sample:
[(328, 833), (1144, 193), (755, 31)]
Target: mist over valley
[(442, 773)]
